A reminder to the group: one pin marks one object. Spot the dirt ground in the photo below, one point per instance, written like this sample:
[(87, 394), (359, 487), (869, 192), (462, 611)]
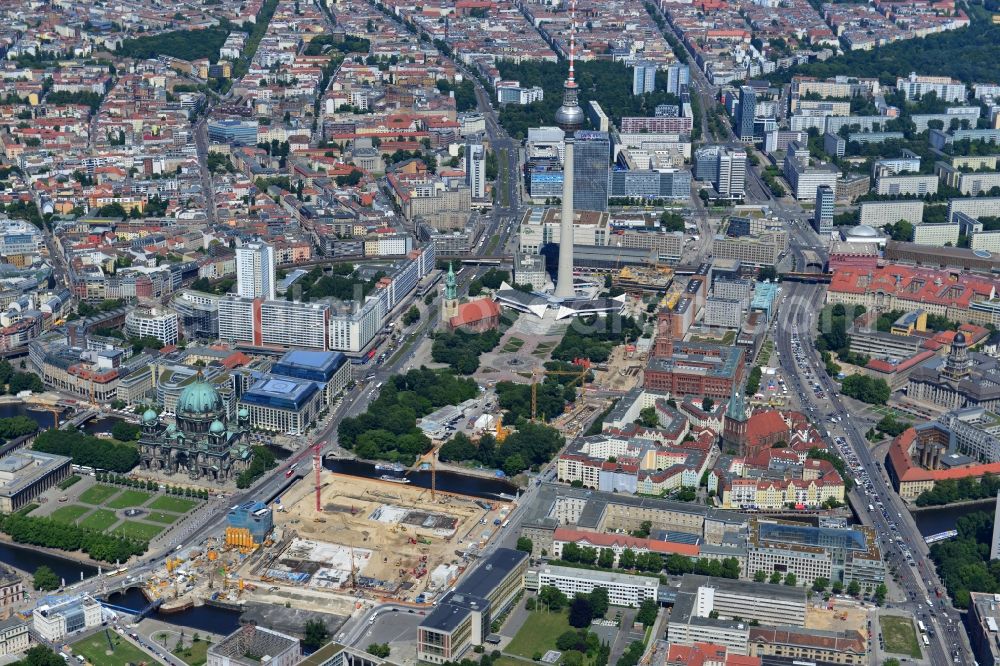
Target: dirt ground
[(397, 534), (819, 617)]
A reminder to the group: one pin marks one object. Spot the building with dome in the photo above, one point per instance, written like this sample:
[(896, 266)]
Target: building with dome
[(201, 442), (960, 379), (863, 234)]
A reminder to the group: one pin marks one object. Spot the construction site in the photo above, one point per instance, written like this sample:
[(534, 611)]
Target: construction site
[(376, 538)]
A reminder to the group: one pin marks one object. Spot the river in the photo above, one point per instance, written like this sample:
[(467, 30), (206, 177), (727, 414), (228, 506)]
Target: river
[(451, 482), (942, 519), (202, 618), (42, 417)]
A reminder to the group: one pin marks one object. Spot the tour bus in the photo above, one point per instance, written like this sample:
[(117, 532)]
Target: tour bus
[(927, 641)]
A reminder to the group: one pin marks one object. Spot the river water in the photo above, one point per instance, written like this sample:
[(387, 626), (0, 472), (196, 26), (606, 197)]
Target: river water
[(43, 418), (452, 482), (942, 519)]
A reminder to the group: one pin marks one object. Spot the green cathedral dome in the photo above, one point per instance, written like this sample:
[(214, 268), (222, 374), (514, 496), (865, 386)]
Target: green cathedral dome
[(199, 398)]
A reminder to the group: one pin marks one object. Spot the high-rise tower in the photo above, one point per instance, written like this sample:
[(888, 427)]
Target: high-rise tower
[(255, 271), (569, 117)]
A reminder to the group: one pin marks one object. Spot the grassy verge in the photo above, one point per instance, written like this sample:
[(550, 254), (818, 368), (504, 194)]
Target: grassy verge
[(97, 650), (900, 636), (538, 634)]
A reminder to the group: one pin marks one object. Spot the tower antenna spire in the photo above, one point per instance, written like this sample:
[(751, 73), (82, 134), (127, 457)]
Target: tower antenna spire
[(572, 42)]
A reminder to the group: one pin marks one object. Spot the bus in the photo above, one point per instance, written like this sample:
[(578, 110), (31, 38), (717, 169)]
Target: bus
[(923, 629), (927, 641)]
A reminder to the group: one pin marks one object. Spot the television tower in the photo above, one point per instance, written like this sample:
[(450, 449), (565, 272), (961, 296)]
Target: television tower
[(569, 118)]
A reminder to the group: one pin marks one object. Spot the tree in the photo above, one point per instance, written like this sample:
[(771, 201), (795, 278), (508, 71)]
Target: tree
[(125, 432), (760, 576), (316, 635), (647, 612), (775, 578), (837, 587), (627, 559), (581, 612), (41, 655), (790, 579), (599, 602), (880, 593), (707, 404), (45, 579), (552, 598), (606, 560), (647, 417), (524, 543), (820, 584), (854, 589), (381, 650), (412, 315)]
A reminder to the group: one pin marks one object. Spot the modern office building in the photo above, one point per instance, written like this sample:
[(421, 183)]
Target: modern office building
[(56, 617), (745, 114), (643, 77), (678, 77), (233, 131), (839, 555), (623, 589), (255, 271), (462, 618), (725, 167), (475, 169), (330, 370), (197, 313), (250, 645), (152, 322), (823, 214), (651, 184), (283, 404), (591, 163)]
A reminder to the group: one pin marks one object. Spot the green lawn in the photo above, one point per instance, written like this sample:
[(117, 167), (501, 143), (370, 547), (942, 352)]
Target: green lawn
[(100, 520), (137, 530), (96, 651), (162, 517), (175, 504), (538, 634), (69, 514), (195, 654), (97, 494), (900, 636), (129, 498), (513, 345)]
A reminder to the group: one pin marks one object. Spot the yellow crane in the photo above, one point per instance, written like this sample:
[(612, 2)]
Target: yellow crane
[(581, 376)]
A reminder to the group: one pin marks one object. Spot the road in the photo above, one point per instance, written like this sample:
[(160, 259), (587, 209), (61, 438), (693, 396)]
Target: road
[(898, 534)]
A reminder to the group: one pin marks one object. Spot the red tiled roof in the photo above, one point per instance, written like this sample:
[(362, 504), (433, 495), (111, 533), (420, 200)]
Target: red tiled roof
[(625, 541), (476, 311), (907, 471)]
